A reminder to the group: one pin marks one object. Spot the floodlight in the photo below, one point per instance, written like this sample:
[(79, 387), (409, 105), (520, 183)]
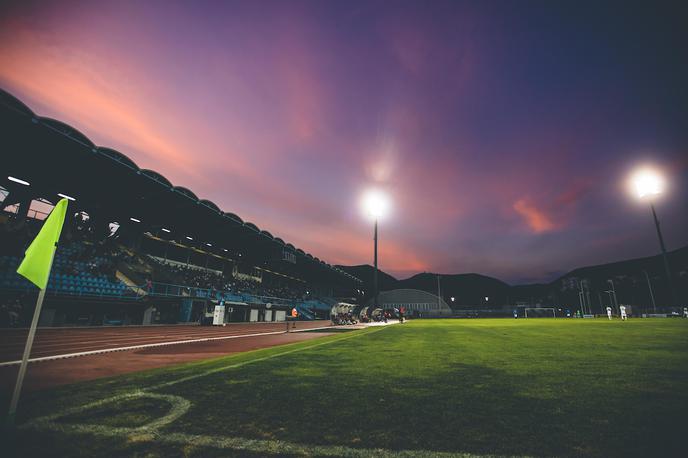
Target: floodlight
[(166, 230), (17, 180), (647, 182), (135, 220), (65, 196), (376, 203)]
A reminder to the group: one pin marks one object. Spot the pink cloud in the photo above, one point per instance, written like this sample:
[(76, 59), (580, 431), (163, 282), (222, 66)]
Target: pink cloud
[(535, 218)]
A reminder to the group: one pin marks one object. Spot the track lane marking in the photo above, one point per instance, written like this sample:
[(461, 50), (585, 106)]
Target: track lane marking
[(157, 344)]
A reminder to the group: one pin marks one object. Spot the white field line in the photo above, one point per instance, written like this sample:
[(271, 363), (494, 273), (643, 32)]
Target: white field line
[(157, 344), (260, 446), (145, 391), (179, 406)]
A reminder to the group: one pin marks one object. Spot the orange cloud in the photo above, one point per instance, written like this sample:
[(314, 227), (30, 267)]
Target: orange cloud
[(536, 219), (74, 87)]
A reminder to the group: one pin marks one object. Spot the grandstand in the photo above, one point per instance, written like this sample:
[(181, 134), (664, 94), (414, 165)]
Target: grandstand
[(136, 249)]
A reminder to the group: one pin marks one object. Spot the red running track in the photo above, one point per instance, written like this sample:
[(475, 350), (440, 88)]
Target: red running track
[(57, 342)]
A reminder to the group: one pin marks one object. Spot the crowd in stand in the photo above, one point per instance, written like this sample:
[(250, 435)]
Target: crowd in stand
[(11, 312), (215, 281), (101, 255)]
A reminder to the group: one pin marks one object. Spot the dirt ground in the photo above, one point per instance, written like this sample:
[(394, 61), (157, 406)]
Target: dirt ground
[(48, 374)]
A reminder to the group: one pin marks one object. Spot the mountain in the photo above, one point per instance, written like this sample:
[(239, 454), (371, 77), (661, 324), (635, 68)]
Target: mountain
[(466, 289), (365, 273), (628, 279)]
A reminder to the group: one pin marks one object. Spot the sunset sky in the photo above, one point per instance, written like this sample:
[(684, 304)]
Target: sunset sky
[(503, 131)]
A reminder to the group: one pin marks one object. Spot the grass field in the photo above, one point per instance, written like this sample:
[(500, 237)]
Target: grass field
[(538, 387)]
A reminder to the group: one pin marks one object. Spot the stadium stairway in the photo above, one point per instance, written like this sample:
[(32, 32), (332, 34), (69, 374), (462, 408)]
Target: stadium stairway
[(305, 313)]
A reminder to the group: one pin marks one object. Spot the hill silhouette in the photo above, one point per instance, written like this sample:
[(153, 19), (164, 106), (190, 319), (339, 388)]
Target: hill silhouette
[(629, 279)]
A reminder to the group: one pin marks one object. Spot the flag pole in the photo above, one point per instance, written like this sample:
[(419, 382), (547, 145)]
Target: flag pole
[(27, 350)]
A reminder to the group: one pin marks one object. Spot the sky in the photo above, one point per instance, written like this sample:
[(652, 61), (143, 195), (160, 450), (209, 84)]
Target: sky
[(503, 132)]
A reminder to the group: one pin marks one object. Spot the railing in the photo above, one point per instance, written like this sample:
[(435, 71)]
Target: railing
[(158, 289), (125, 294)]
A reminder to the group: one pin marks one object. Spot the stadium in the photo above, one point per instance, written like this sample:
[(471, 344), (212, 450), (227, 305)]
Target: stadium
[(138, 249), (423, 240)]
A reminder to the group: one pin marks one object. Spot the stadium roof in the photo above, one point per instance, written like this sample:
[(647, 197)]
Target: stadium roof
[(54, 157)]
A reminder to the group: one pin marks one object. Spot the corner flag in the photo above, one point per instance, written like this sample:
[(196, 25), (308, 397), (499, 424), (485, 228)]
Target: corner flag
[(38, 257), (38, 260)]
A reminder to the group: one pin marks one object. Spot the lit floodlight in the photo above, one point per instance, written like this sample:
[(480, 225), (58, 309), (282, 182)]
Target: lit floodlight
[(647, 182), (189, 238), (65, 196), (135, 220), (17, 180), (453, 298), (209, 244), (376, 203), (166, 230)]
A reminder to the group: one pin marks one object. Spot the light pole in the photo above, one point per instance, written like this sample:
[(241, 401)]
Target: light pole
[(652, 295), (648, 184), (376, 289), (376, 205), (613, 290)]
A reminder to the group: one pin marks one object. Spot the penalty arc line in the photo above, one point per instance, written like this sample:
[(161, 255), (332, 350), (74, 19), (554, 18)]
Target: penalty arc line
[(180, 406), (73, 410)]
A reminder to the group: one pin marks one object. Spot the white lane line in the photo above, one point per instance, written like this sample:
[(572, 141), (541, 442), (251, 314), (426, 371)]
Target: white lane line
[(138, 347), (108, 335), (42, 345), (54, 340)]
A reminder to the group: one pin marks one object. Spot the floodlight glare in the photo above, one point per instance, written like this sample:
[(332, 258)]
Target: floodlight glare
[(376, 203), (647, 182), (166, 230), (135, 220)]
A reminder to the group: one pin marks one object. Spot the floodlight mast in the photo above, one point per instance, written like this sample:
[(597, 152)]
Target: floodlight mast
[(648, 184), (376, 205)]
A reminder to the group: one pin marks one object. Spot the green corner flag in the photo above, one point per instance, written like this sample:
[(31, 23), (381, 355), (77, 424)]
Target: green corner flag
[(38, 257)]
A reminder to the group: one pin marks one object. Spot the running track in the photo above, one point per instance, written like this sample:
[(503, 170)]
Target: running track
[(55, 343)]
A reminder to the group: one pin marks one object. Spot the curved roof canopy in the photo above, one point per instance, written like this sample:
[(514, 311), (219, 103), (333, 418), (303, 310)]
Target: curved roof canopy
[(68, 130), (252, 226), (112, 184), (211, 205), (157, 177), (233, 217), (14, 103), (185, 192), (119, 157)]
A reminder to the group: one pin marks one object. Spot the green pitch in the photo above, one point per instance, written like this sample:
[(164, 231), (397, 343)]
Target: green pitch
[(538, 387)]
